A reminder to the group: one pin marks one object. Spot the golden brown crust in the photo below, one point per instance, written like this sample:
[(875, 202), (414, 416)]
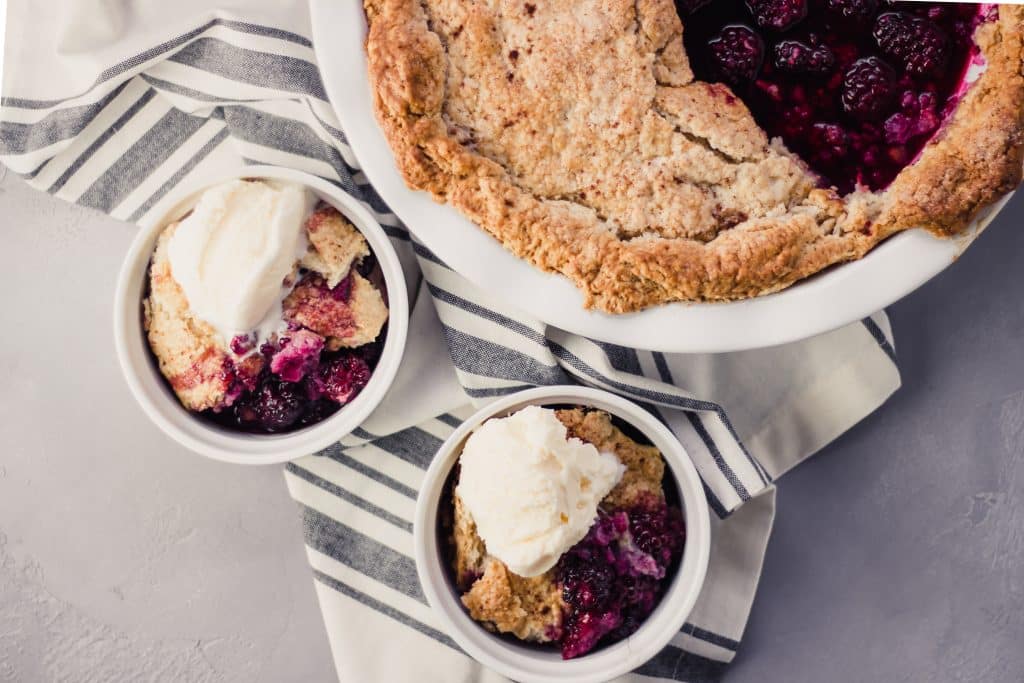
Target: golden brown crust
[(335, 245), (528, 608), (646, 186), (645, 468), (531, 608)]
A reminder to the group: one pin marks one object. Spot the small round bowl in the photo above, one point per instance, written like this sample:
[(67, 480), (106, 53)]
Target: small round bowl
[(159, 402), (530, 663)]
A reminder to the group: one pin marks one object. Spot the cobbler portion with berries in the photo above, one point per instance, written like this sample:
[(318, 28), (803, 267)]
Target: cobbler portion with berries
[(602, 588), (335, 318), (855, 87)]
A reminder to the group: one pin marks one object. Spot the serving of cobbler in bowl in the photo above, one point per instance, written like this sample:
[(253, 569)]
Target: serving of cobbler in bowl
[(700, 150), (262, 316), (562, 534)]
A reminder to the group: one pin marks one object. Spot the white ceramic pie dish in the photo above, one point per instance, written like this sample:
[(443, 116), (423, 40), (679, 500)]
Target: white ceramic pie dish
[(828, 300), (203, 437), (531, 664)]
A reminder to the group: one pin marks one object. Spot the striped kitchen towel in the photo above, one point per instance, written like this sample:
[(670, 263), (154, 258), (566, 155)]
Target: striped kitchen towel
[(111, 105)]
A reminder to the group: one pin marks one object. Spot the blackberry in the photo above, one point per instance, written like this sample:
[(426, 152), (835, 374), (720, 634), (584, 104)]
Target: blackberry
[(277, 405), (584, 630), (736, 53), (869, 88), (587, 585), (777, 15), (829, 142), (858, 11), (794, 56), (657, 533), (343, 378), (916, 42)]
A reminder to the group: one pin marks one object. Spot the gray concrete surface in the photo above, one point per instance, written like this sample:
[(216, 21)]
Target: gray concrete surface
[(898, 553)]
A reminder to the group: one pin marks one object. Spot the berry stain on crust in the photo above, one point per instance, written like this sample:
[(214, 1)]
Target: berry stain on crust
[(856, 88)]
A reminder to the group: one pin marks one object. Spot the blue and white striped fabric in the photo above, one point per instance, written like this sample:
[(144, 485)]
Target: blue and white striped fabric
[(111, 105)]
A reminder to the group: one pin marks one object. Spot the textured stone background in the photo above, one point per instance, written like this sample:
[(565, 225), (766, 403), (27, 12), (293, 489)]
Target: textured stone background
[(898, 553)]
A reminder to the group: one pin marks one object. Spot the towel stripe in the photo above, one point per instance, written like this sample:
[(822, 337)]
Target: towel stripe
[(698, 426), (362, 553), (59, 125), (665, 373), (876, 332), (380, 607), (393, 484), (350, 497), (180, 174), (118, 124), (485, 313), (675, 664), (713, 638), (635, 391), (449, 420), (481, 357)]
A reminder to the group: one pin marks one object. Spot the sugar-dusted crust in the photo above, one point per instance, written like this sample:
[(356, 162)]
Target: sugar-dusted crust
[(336, 245), (645, 467), (575, 134), (532, 608), (528, 608)]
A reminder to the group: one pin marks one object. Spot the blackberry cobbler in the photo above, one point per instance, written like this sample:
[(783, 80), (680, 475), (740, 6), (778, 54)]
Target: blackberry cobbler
[(682, 150), (617, 542), (318, 308)]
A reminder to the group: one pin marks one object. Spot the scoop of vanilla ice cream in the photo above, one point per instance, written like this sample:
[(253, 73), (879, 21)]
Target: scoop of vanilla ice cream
[(232, 254), (532, 491)]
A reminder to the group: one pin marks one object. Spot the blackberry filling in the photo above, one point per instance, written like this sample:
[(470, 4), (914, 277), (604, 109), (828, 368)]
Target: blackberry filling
[(615, 577), (856, 88), (275, 405)]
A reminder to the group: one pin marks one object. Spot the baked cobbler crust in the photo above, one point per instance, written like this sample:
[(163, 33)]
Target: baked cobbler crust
[(576, 135)]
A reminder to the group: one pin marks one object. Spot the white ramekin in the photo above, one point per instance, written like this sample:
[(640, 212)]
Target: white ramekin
[(205, 438), (530, 664)]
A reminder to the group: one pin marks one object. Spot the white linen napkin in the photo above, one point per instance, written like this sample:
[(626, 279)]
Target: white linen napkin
[(112, 104)]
